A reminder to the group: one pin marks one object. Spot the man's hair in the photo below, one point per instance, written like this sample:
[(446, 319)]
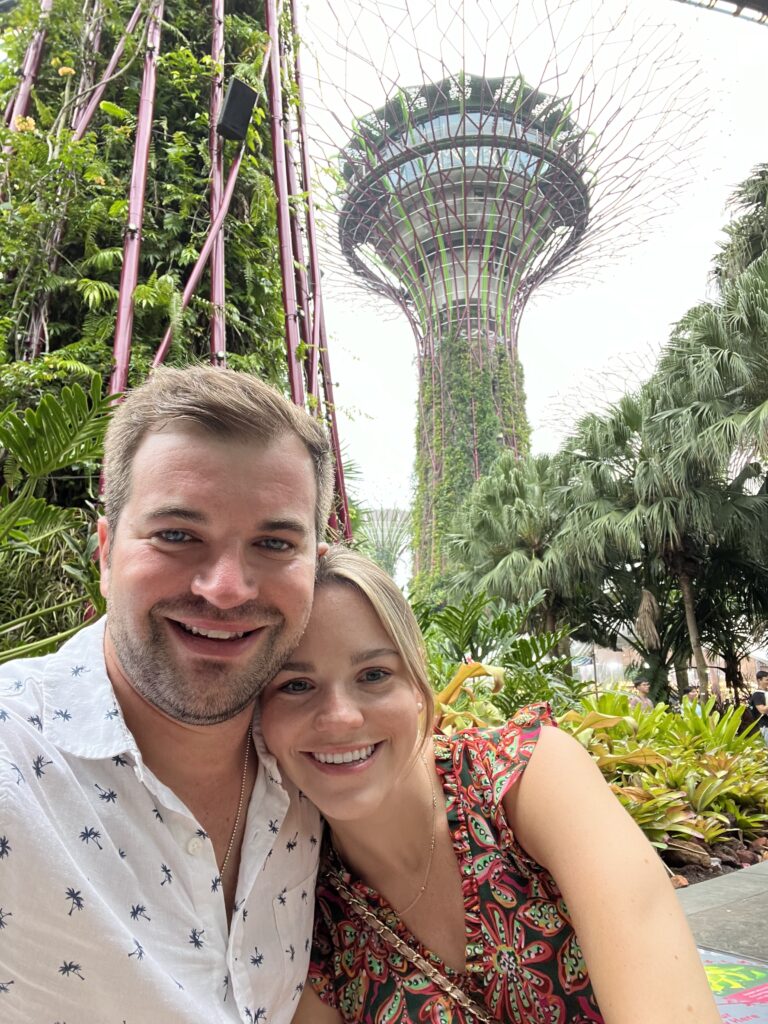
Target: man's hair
[(762, 674), (690, 689), (348, 568), (640, 680), (225, 404)]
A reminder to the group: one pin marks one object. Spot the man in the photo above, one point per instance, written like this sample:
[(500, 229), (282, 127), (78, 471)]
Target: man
[(759, 703), (640, 697), (153, 867)]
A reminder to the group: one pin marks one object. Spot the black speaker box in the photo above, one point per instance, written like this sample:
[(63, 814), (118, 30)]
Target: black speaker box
[(236, 111)]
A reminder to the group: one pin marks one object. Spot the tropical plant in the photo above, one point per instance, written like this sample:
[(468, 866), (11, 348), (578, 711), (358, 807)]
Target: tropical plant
[(493, 661), (62, 220), (747, 234), (384, 534), (633, 501), (507, 539), (42, 606)]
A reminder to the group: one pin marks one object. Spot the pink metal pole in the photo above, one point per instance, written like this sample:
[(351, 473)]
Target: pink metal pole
[(300, 273), (216, 149), (85, 118), (283, 220), (132, 245), (29, 68), (319, 340), (205, 252)]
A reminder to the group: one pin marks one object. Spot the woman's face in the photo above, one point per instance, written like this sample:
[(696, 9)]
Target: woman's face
[(342, 717)]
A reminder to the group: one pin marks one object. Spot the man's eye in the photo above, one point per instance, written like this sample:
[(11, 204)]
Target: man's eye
[(174, 536), (375, 675), (275, 544), (295, 686)]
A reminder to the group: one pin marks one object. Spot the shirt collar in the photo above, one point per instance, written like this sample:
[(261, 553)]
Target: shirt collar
[(80, 713)]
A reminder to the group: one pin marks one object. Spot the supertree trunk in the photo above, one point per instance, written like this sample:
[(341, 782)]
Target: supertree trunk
[(478, 153)]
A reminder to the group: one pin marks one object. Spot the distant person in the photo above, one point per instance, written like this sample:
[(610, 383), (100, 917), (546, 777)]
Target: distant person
[(458, 881), (758, 701), (691, 696), (640, 698)]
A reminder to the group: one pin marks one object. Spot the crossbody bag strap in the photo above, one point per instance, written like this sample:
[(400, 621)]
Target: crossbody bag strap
[(413, 956)]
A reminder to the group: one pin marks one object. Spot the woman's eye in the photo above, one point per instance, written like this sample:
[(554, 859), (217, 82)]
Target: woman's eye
[(295, 686), (174, 536), (375, 675)]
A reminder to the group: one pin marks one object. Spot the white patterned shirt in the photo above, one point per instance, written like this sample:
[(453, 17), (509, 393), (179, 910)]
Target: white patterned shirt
[(111, 905)]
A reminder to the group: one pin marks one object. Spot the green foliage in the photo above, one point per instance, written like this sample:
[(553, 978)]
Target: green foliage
[(65, 203), (494, 633), (47, 574), (681, 776), (470, 408)]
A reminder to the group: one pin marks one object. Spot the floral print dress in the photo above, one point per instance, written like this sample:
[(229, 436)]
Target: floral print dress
[(523, 961)]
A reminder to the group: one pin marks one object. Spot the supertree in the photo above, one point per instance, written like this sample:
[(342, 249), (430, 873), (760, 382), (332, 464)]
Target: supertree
[(479, 153)]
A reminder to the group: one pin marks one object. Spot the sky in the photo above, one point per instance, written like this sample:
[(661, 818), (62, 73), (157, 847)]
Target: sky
[(582, 343)]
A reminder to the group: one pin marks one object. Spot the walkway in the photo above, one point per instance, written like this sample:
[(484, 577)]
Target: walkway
[(729, 920)]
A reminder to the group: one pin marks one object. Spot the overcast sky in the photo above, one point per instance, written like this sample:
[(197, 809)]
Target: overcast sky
[(579, 344)]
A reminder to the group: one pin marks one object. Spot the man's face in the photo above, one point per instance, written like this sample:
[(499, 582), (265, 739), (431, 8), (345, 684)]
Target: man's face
[(210, 572), (644, 688)]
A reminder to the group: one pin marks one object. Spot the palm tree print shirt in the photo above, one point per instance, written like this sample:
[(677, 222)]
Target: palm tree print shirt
[(111, 906)]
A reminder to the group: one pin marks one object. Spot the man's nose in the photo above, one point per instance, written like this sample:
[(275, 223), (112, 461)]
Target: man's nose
[(226, 580)]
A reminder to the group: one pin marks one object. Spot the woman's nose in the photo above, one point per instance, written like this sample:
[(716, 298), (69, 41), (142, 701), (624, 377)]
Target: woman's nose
[(339, 711)]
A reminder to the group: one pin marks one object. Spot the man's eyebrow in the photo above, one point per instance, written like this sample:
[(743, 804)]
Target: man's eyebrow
[(375, 652), (291, 525), (177, 512)]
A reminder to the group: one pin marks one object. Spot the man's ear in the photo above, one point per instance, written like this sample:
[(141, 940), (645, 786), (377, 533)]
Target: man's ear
[(322, 549), (102, 532)]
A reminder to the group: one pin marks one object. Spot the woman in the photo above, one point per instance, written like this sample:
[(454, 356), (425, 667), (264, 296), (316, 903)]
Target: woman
[(437, 898)]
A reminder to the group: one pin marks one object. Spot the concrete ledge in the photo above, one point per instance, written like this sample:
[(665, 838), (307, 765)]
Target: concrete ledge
[(730, 913)]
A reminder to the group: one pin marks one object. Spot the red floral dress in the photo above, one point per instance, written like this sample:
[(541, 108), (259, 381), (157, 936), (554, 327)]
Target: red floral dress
[(524, 964)]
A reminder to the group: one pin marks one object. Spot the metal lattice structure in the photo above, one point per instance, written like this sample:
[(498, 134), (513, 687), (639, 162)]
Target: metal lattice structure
[(757, 10), (480, 155), (309, 374)]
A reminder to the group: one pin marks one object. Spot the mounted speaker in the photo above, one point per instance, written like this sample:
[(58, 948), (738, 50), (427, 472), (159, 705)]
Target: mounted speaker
[(236, 112)]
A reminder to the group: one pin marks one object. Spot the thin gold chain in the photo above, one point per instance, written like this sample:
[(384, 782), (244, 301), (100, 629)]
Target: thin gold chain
[(422, 890), (239, 806)]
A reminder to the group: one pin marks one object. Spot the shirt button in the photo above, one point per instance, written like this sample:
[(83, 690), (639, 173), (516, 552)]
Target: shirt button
[(194, 845)]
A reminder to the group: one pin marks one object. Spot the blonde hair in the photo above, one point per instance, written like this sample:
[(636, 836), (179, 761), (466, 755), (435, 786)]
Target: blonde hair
[(224, 404), (349, 568)]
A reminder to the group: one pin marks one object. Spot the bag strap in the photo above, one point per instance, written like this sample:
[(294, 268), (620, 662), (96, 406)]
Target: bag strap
[(413, 956)]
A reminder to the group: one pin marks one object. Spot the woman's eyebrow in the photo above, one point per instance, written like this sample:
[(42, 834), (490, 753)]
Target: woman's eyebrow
[(297, 666), (376, 652)]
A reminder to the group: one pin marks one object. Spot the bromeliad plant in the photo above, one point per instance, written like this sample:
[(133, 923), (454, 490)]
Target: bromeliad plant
[(683, 777)]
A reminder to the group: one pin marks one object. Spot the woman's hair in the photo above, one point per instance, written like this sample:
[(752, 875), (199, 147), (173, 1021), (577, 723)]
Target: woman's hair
[(348, 568)]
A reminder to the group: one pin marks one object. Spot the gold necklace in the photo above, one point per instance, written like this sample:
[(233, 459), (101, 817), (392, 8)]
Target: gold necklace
[(239, 806), (422, 890)]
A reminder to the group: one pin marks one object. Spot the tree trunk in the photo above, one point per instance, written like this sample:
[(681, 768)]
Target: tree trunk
[(681, 676), (686, 588)]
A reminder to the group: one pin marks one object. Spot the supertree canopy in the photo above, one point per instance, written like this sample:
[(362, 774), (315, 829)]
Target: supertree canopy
[(486, 152)]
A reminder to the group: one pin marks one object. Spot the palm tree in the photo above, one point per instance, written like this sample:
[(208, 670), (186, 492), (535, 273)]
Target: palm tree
[(384, 534), (506, 538), (748, 234), (632, 500)]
